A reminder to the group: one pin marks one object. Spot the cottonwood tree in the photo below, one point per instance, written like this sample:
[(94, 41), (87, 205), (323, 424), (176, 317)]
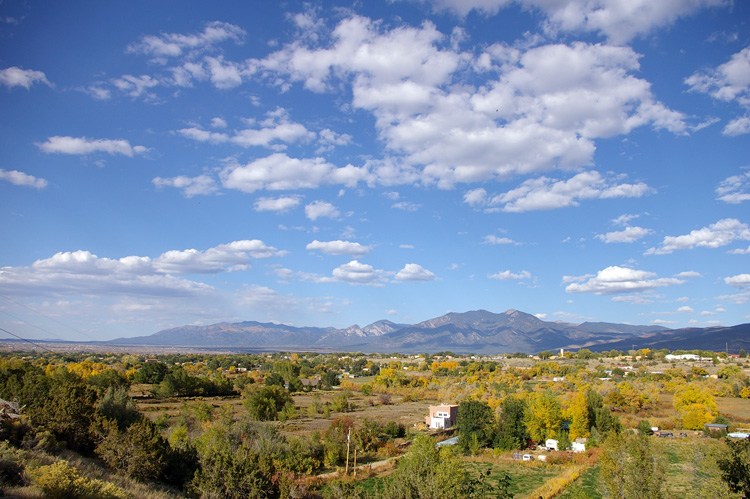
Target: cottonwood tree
[(543, 416), (476, 425)]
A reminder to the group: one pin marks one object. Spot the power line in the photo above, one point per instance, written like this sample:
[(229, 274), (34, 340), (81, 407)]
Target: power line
[(27, 341), (49, 318)]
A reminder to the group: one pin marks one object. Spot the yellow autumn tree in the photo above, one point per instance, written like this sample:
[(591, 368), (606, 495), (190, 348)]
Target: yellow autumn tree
[(543, 416), (578, 415), (696, 406)]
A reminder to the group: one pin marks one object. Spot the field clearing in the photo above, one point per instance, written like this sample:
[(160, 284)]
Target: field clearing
[(370, 407)]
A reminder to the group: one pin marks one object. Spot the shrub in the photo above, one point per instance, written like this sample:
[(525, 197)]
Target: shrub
[(62, 481)]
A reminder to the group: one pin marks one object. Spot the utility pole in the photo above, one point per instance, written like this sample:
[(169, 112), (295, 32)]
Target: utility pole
[(348, 440)]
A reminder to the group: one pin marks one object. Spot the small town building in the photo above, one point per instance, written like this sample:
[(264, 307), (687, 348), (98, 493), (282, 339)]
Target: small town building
[(551, 444), (442, 416)]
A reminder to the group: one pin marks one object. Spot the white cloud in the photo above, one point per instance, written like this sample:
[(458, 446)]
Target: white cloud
[(738, 281), (507, 275), (224, 75), (275, 131), (740, 251), (406, 206), (738, 126), (619, 280), (545, 194), (685, 308), (729, 81), (493, 239), (281, 172), (689, 273), (735, 189), (20, 178), (639, 299), (176, 44), (318, 209), (715, 235), (136, 86), (84, 273), (628, 235), (281, 204), (614, 19), (339, 248), (414, 273), (476, 197), (355, 272), (83, 145), (541, 316), (217, 122), (17, 77), (531, 111), (191, 186)]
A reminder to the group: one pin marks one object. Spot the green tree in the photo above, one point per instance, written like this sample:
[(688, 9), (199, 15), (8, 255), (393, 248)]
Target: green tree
[(427, 472), (265, 402), (631, 468), (476, 424), (511, 433), (139, 451), (735, 468), (117, 405), (151, 372)]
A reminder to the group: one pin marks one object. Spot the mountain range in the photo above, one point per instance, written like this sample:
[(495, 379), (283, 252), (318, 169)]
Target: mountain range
[(477, 331)]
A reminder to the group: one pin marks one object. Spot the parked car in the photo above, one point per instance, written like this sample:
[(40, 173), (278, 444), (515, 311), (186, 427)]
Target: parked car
[(528, 457)]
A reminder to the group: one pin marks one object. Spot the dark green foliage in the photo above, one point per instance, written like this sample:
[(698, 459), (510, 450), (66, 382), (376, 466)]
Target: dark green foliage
[(264, 402), (139, 451), (329, 379), (476, 424), (274, 379), (151, 372), (644, 427), (62, 404), (117, 405), (735, 468), (511, 432), (178, 383)]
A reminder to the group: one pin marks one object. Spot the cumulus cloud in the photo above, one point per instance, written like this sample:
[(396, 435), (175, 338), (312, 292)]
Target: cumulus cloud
[(738, 126), (735, 189), (619, 280), (689, 273), (628, 235), (318, 209), (715, 235), (339, 248), (543, 193), (531, 111), (191, 186), (355, 272), (738, 281), (611, 18), (281, 172), (414, 273), (23, 179), (17, 77), (281, 204), (729, 81), (83, 145), (507, 275), (84, 273)]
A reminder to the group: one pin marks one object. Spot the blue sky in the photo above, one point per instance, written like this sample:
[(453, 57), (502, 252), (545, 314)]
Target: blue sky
[(332, 163)]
